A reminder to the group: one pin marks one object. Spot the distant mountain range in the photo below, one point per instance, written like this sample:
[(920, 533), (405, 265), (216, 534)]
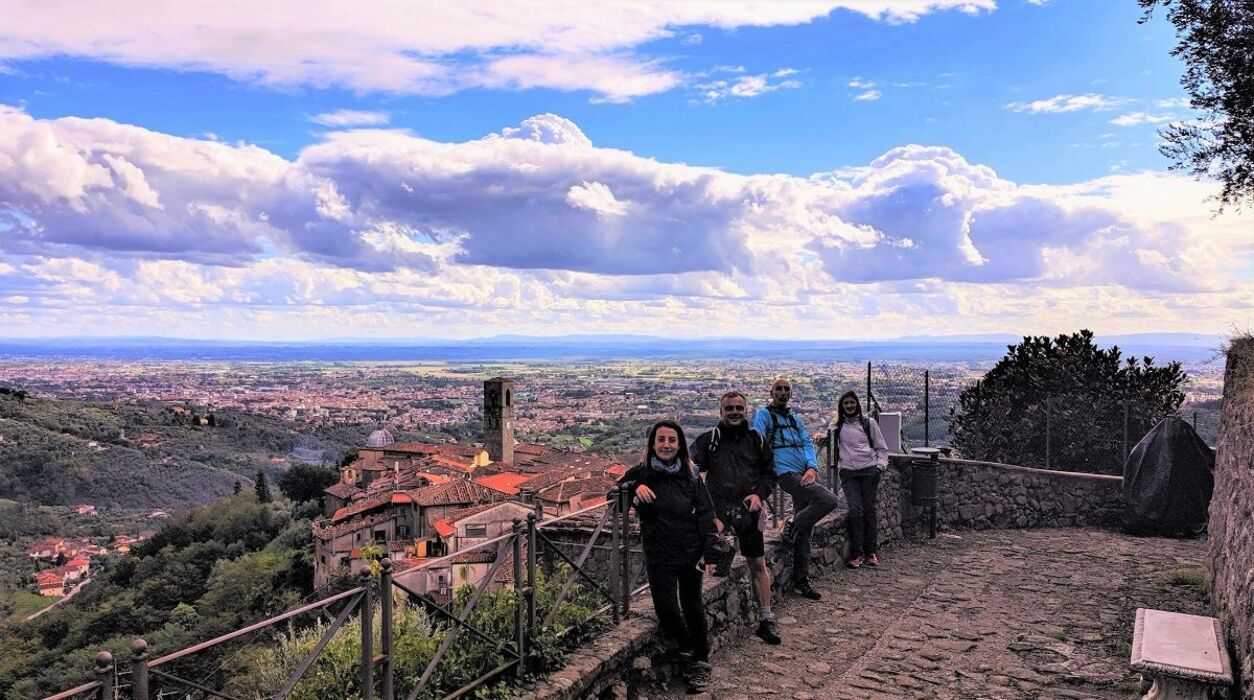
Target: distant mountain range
[(979, 348)]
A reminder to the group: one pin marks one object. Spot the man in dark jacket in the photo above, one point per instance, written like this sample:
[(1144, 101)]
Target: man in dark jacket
[(740, 475)]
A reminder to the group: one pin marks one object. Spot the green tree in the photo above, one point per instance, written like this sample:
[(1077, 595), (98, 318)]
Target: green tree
[(1071, 391), (304, 482), (1216, 43), (262, 488)]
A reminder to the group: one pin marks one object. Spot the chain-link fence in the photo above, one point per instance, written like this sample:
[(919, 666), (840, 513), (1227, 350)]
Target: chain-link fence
[(922, 401)]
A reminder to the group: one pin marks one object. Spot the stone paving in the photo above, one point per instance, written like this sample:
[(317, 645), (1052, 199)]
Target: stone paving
[(979, 615)]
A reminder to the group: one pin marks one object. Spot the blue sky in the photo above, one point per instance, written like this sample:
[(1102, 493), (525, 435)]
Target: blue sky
[(891, 166)]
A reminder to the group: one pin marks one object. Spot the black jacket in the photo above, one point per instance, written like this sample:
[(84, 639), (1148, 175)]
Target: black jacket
[(739, 463), (677, 528)]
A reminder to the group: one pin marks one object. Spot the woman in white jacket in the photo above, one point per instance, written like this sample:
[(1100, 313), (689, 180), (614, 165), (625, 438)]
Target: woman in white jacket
[(861, 457)]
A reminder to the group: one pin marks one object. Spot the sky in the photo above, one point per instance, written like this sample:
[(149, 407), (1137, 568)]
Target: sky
[(804, 170)]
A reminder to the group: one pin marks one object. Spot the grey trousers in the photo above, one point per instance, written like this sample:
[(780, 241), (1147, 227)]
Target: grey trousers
[(809, 505)]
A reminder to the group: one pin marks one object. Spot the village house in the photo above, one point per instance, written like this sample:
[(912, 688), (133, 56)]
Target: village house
[(403, 497)]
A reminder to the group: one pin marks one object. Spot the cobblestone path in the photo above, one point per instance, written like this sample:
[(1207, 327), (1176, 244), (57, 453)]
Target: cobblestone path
[(996, 614)]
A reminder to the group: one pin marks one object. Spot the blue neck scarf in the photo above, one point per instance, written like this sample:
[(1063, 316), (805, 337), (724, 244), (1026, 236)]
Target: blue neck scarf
[(659, 465)]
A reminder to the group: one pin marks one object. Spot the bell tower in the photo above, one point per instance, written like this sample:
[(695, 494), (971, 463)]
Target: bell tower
[(498, 419)]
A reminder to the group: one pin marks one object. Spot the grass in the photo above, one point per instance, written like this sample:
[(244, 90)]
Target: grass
[(1190, 576), (26, 603)]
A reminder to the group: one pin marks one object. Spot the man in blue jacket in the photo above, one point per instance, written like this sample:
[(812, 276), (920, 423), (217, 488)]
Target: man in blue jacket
[(797, 470)]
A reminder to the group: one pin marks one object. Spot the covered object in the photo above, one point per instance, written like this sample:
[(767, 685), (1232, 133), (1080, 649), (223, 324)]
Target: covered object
[(1167, 481)]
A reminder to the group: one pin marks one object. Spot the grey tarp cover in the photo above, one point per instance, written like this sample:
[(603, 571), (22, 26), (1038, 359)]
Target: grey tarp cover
[(1168, 480)]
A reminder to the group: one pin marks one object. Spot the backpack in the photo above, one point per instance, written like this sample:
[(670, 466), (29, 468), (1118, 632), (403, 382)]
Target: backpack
[(866, 428), (775, 426), (713, 447)]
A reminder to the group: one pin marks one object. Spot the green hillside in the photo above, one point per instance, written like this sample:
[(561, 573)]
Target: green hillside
[(143, 455)]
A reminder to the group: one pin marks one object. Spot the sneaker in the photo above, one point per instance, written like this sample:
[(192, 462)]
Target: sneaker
[(768, 630), (698, 675), (786, 536), (855, 563), (805, 589), (873, 560)]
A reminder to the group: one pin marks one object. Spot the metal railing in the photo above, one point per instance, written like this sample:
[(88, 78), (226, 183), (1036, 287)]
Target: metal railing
[(524, 547)]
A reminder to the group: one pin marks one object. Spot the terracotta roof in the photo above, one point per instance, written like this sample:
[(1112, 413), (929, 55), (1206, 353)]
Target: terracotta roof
[(532, 449), (505, 482), (371, 503), (444, 528), (325, 531), (413, 447), (560, 493), (342, 490), (455, 492), (475, 510)]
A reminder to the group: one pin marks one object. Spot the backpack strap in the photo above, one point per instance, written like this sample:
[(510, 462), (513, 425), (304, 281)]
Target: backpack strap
[(866, 428)]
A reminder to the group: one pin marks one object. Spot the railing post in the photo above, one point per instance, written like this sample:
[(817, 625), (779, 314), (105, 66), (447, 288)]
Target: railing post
[(1049, 410), (518, 595), (385, 628), (531, 592), (367, 636), (927, 408), (104, 674), (625, 541), (868, 387), (616, 503), (831, 458), (139, 670), (1125, 429)]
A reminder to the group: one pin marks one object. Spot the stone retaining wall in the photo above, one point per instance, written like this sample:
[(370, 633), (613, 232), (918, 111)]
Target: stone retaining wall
[(1231, 560), (624, 661)]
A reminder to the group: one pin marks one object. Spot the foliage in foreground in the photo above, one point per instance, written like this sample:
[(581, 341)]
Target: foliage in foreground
[(1075, 391), (418, 634)]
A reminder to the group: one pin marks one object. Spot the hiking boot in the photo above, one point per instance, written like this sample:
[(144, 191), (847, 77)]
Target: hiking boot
[(698, 675), (768, 630), (805, 589), (855, 563), (872, 560), (787, 536)]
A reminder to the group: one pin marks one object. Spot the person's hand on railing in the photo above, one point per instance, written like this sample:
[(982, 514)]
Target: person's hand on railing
[(753, 502), (645, 494), (719, 526)]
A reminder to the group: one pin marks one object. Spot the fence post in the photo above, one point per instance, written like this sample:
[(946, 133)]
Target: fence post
[(385, 628), (868, 388), (1049, 409), (616, 503), (139, 670), (1125, 429), (531, 578), (625, 542), (1195, 420), (927, 408), (518, 595), (367, 637), (104, 674)]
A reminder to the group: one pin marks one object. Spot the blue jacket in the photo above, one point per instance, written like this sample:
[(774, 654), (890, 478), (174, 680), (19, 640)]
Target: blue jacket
[(794, 451)]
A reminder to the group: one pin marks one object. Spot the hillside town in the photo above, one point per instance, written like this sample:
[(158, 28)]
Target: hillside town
[(70, 560), (415, 502)]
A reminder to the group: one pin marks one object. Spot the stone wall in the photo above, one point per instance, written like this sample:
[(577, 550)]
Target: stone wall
[(983, 495), (1231, 560), (624, 663)]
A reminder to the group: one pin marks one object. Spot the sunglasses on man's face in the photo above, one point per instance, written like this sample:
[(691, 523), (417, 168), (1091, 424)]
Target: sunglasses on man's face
[(783, 389), (733, 409)]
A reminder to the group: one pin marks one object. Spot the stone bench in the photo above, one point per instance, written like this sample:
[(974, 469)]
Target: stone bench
[(1185, 656)]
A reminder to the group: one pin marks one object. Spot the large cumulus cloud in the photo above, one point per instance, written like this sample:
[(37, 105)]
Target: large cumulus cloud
[(538, 219)]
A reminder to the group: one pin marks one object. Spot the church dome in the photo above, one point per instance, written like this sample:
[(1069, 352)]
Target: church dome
[(380, 438)]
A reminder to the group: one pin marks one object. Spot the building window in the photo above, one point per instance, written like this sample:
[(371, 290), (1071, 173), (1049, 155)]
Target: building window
[(380, 536), (476, 530)]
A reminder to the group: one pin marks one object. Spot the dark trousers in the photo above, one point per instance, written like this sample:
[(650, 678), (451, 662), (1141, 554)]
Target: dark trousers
[(861, 487), (682, 620), (809, 505)]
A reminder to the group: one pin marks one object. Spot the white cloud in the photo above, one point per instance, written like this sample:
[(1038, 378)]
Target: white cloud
[(1137, 118), (867, 96), (424, 49), (1069, 103), (746, 86), (351, 117), (385, 232), (1173, 103)]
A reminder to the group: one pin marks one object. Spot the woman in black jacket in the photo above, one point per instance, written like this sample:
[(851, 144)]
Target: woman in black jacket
[(677, 530)]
